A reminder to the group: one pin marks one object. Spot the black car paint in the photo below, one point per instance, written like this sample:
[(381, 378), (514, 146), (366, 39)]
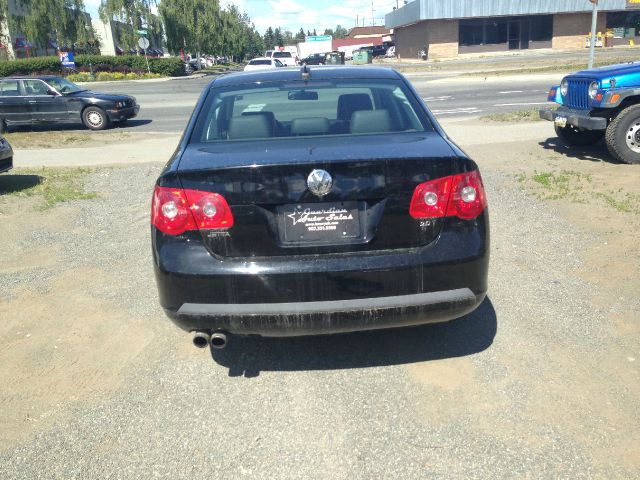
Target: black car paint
[(204, 277), (6, 155), (61, 108)]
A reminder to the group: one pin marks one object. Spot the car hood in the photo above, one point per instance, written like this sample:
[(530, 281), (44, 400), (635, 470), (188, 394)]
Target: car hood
[(109, 97), (625, 74)]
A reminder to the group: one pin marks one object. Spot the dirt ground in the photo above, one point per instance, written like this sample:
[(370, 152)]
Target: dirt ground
[(47, 365)]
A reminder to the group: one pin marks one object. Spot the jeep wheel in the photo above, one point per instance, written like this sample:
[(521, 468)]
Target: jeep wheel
[(95, 118), (573, 136), (623, 135)]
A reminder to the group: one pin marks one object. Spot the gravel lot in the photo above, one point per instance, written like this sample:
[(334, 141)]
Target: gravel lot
[(541, 382)]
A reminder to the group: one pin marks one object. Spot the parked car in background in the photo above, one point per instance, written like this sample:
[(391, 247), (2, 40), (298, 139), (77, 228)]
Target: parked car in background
[(6, 155), (56, 100), (263, 63), (287, 58), (318, 201), (376, 50), (600, 103), (314, 59)]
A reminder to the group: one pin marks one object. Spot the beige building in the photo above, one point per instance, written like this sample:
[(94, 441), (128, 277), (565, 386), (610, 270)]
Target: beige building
[(447, 28)]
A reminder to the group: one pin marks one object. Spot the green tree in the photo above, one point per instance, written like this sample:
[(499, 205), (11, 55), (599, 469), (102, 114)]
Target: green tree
[(196, 25), (328, 31), (340, 32), (278, 38), (300, 36), (64, 22), (269, 38), (133, 14)]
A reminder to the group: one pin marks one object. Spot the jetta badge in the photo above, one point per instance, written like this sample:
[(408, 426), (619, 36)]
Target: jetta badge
[(319, 182)]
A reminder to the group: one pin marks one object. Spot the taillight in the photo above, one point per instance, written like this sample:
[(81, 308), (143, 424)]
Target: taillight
[(175, 210), (459, 196)]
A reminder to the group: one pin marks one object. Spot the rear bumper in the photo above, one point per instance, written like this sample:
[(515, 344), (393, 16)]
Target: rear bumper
[(308, 318), (577, 118), (318, 294)]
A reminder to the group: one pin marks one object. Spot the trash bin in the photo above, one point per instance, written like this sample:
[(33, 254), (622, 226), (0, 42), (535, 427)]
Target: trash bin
[(362, 57), (335, 58)]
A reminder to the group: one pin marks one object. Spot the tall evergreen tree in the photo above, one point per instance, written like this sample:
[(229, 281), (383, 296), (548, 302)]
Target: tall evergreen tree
[(269, 38)]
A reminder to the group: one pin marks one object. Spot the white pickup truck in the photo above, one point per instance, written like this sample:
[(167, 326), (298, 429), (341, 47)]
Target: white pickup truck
[(287, 58)]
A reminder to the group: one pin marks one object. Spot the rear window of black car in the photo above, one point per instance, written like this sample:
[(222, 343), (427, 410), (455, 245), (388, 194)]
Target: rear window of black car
[(297, 109), (260, 62)]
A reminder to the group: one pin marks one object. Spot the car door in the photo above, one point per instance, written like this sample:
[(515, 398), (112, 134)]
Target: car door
[(44, 106), (13, 104)]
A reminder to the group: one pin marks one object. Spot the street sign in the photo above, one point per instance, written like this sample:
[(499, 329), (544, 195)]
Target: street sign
[(319, 38), (143, 43), (141, 32), (633, 4), (67, 60)]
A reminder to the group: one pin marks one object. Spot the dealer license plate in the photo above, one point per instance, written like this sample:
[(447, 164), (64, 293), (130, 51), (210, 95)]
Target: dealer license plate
[(321, 222), (560, 121)]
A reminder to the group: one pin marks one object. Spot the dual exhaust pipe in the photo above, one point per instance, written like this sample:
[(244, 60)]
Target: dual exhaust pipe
[(217, 340)]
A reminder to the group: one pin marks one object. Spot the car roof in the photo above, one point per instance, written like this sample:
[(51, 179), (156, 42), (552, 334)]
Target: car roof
[(260, 58), (31, 77), (288, 74)]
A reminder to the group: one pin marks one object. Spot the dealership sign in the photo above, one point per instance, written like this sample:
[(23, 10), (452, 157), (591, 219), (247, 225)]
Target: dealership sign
[(633, 4)]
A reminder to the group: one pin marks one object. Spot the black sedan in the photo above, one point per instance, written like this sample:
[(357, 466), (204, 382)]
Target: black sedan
[(56, 100), (6, 155), (316, 201)]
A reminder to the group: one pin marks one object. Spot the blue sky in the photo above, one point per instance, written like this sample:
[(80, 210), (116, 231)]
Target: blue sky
[(308, 14)]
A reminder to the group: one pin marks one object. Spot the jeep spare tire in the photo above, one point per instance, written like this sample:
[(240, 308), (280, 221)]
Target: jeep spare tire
[(623, 135)]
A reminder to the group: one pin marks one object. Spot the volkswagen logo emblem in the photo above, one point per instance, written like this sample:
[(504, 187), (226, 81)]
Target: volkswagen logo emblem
[(319, 182)]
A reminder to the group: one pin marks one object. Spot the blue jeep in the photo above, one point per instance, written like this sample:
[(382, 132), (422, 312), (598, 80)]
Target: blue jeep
[(597, 103)]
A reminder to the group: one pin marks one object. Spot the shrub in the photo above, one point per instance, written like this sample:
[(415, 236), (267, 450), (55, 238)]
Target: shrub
[(103, 77), (171, 67), (80, 77), (131, 76)]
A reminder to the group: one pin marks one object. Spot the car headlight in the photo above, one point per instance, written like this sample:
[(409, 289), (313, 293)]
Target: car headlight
[(120, 104), (564, 87), (593, 90)]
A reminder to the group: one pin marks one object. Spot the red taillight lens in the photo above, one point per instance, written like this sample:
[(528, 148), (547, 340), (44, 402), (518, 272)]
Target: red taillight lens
[(459, 196), (468, 199), (175, 210), (430, 199), (210, 210)]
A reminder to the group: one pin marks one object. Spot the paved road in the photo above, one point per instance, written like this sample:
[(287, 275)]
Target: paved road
[(167, 105)]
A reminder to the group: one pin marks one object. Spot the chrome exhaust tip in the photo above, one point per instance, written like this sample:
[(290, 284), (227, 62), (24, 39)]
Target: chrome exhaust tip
[(219, 340), (201, 339)]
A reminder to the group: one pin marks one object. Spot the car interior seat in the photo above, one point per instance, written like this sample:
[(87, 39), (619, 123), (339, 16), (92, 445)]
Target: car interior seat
[(250, 126), (310, 126), (371, 121), (349, 103)]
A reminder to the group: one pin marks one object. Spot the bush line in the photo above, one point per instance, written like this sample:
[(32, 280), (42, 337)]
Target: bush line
[(166, 67)]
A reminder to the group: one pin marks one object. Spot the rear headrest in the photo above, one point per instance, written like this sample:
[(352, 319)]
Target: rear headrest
[(250, 126), (351, 102), (370, 121), (310, 126)]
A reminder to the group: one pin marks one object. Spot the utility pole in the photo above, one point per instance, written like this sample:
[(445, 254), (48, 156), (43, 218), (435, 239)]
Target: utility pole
[(373, 18), (594, 36)]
